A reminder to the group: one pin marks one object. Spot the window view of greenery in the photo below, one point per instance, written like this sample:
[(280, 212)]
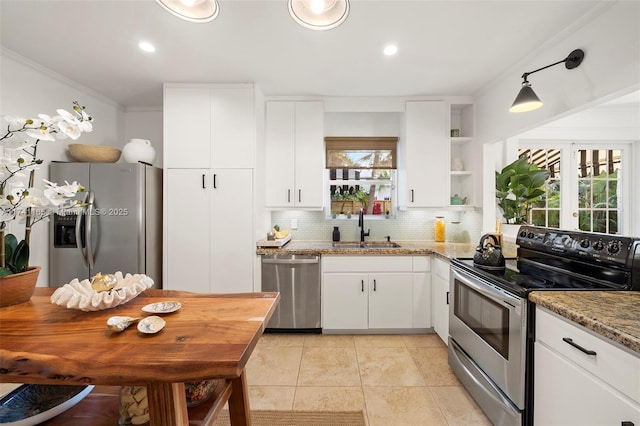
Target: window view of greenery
[(546, 212), (598, 183), (361, 176)]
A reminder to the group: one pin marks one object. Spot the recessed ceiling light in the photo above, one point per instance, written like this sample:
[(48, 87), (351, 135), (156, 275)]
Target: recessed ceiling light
[(390, 49), (146, 46)]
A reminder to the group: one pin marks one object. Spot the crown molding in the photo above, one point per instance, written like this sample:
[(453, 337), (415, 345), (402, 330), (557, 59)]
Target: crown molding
[(56, 76)]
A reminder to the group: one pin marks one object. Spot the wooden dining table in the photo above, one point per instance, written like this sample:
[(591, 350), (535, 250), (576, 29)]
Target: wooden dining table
[(210, 336)]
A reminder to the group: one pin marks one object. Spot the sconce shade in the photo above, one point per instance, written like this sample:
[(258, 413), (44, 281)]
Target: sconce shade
[(319, 15), (192, 10), (527, 100)]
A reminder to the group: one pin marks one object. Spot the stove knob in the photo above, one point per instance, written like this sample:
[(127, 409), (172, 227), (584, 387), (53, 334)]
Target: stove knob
[(523, 234), (598, 245), (585, 243), (614, 247), (530, 235)]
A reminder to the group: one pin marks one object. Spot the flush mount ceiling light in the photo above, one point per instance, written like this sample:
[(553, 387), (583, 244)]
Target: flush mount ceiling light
[(319, 14), (527, 100), (147, 47), (390, 50), (192, 10)]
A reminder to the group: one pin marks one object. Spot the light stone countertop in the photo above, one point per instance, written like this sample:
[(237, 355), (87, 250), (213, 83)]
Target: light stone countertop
[(614, 315), (445, 251)]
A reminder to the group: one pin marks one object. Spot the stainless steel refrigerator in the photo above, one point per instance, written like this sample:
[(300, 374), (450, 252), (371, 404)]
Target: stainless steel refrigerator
[(120, 229)]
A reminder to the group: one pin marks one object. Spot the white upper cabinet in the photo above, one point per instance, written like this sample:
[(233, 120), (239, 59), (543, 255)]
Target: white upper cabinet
[(426, 155), (209, 126), (294, 154)]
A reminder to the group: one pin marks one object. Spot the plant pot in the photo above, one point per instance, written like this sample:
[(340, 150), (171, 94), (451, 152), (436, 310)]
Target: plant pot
[(18, 288)]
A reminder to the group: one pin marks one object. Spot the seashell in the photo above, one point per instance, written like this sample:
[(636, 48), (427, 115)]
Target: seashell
[(79, 294), (104, 282), (120, 323), (151, 325)]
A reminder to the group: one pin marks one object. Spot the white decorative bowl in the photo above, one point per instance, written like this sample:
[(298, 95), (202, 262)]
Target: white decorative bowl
[(79, 294)]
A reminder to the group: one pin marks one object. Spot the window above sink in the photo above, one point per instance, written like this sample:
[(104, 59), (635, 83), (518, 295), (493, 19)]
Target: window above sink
[(361, 175)]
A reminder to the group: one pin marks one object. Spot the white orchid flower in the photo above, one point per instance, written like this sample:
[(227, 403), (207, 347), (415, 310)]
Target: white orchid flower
[(511, 195), (15, 122), (67, 116), (41, 133), (33, 197), (70, 129), (67, 190), (85, 125)]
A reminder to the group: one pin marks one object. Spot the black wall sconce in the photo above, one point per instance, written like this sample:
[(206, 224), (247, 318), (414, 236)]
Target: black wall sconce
[(527, 100)]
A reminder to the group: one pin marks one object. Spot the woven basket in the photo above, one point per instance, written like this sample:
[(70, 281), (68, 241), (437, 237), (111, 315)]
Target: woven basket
[(94, 153)]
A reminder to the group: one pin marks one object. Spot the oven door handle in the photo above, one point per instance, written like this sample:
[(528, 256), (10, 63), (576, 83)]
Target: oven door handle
[(511, 302)]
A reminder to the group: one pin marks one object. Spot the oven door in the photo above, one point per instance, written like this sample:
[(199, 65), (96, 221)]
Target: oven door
[(489, 325)]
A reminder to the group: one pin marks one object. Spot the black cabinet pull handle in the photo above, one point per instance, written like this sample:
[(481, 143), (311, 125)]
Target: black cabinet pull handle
[(299, 195), (362, 284), (412, 195), (627, 423), (203, 186), (215, 186), (577, 346), (374, 285), (447, 298), (288, 195)]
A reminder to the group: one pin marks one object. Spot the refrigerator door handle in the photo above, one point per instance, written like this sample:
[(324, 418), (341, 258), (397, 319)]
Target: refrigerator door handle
[(88, 231), (83, 255)]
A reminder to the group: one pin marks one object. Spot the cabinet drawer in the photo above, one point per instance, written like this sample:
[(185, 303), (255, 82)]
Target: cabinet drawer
[(421, 264), (367, 263), (441, 268), (611, 364)]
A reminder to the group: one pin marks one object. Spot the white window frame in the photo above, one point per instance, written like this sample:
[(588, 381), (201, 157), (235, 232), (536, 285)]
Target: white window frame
[(569, 177)]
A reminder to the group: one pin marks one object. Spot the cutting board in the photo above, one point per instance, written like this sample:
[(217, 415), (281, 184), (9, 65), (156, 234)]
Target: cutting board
[(273, 243)]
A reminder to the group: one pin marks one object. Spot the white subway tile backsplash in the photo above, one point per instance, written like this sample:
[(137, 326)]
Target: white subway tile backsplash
[(407, 225)]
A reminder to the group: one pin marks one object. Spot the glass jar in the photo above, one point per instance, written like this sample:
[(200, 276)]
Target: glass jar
[(454, 234), (134, 406), (439, 229)]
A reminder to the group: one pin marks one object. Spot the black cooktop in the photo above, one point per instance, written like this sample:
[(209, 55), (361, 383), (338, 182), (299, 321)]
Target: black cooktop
[(520, 278)]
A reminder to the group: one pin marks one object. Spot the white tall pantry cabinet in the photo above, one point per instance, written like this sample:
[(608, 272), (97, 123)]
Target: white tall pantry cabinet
[(209, 162)]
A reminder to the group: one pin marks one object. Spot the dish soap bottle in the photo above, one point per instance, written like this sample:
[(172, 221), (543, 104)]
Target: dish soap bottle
[(336, 234)]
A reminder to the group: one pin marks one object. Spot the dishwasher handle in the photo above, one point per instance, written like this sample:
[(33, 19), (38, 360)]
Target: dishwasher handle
[(290, 261)]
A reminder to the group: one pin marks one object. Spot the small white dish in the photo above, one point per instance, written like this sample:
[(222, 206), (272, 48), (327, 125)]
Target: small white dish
[(162, 307), (151, 325)]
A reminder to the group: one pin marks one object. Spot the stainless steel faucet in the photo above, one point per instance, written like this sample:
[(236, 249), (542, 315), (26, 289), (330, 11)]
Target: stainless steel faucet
[(361, 225)]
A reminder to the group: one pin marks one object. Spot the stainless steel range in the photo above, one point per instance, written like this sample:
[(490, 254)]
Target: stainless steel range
[(491, 321)]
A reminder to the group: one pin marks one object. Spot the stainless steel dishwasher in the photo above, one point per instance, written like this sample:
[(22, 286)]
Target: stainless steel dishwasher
[(297, 278)]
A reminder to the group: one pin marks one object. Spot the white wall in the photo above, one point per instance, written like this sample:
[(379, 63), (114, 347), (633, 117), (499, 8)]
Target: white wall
[(610, 39), (27, 89)]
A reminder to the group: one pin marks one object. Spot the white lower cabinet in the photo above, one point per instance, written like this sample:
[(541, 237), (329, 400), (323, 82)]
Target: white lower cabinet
[(440, 298), (358, 295), (209, 236), (577, 388)]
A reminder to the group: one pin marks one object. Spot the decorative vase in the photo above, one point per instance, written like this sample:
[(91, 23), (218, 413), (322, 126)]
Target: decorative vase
[(18, 288), (139, 150)]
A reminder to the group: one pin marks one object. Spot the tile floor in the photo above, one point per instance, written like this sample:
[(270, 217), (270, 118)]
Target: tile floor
[(396, 379)]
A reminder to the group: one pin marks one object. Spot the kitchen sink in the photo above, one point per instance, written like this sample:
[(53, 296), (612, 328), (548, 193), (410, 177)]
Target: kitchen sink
[(352, 245), (382, 245)]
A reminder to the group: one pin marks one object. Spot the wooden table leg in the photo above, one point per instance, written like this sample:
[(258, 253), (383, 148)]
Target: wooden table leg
[(239, 414), (167, 404)]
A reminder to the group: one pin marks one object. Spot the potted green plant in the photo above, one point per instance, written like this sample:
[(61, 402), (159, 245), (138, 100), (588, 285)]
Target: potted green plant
[(21, 199), (519, 186)]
